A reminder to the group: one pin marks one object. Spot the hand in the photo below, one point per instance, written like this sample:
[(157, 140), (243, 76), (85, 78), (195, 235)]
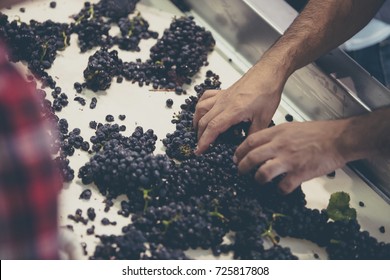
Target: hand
[(253, 98), (300, 151)]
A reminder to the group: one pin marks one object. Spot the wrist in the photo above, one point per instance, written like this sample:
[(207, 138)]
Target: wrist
[(269, 74), (360, 137)]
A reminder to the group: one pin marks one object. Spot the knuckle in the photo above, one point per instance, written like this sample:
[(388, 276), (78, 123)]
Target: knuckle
[(236, 109), (209, 93), (252, 158), (287, 186), (214, 125), (263, 176), (202, 123), (251, 141), (200, 106)]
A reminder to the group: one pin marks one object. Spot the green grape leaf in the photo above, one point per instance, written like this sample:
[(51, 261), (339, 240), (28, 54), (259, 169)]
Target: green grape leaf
[(339, 208)]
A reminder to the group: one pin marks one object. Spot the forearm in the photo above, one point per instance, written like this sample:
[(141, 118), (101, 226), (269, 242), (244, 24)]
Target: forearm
[(321, 26), (366, 136)]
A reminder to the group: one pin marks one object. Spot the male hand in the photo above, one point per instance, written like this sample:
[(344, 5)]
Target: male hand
[(254, 98), (298, 151)]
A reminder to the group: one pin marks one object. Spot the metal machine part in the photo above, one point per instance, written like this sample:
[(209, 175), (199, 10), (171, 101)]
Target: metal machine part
[(333, 87)]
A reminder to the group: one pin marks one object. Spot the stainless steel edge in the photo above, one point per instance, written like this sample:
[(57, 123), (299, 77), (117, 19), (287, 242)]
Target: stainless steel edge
[(333, 87)]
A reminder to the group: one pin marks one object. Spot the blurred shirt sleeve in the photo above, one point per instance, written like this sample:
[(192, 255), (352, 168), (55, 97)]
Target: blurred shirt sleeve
[(29, 181)]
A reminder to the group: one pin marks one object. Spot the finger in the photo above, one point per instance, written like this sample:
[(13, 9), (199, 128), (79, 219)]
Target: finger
[(256, 126), (253, 141), (208, 94), (214, 124), (201, 109), (255, 157), (207, 118), (269, 170), (289, 183)]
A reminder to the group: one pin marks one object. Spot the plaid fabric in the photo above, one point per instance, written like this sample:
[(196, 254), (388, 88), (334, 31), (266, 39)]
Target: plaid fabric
[(29, 181)]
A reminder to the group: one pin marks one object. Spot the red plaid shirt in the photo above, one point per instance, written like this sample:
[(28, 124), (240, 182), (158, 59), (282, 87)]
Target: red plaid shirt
[(29, 181)]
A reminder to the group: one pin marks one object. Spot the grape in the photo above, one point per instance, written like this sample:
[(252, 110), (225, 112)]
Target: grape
[(176, 200)]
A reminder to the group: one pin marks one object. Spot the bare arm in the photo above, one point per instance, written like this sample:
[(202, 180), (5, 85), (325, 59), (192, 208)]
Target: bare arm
[(366, 136), (322, 25), (304, 150), (300, 151)]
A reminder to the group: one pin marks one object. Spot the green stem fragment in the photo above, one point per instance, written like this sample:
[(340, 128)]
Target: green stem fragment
[(270, 234), (218, 215), (146, 197), (44, 51)]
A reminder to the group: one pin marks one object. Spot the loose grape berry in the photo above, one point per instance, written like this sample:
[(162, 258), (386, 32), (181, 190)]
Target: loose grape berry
[(169, 103)]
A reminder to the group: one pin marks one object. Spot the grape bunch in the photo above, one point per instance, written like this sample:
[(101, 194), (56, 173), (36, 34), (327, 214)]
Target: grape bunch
[(304, 223), (113, 10), (175, 58), (92, 33), (182, 50), (211, 82), (129, 246), (35, 43), (181, 226), (103, 65), (160, 252), (347, 241), (117, 9), (66, 171), (132, 31), (176, 200), (132, 245), (125, 165), (139, 140)]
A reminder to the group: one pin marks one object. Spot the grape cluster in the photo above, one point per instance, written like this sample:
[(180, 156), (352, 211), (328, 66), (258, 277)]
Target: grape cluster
[(103, 65), (132, 31), (249, 240), (111, 9), (66, 171), (347, 241), (117, 9), (35, 43), (304, 223), (182, 50), (117, 170), (93, 24), (139, 141), (211, 82), (174, 59), (92, 33), (60, 99), (125, 165), (129, 246), (181, 143), (176, 201), (132, 246), (160, 252), (38, 43), (181, 226)]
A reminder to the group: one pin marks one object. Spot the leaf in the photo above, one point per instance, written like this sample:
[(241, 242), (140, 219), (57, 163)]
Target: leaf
[(339, 208)]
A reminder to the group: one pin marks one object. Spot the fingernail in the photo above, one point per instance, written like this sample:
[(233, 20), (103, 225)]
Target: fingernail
[(235, 159)]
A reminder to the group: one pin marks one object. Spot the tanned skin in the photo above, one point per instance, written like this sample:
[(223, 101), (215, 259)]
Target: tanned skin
[(300, 151)]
